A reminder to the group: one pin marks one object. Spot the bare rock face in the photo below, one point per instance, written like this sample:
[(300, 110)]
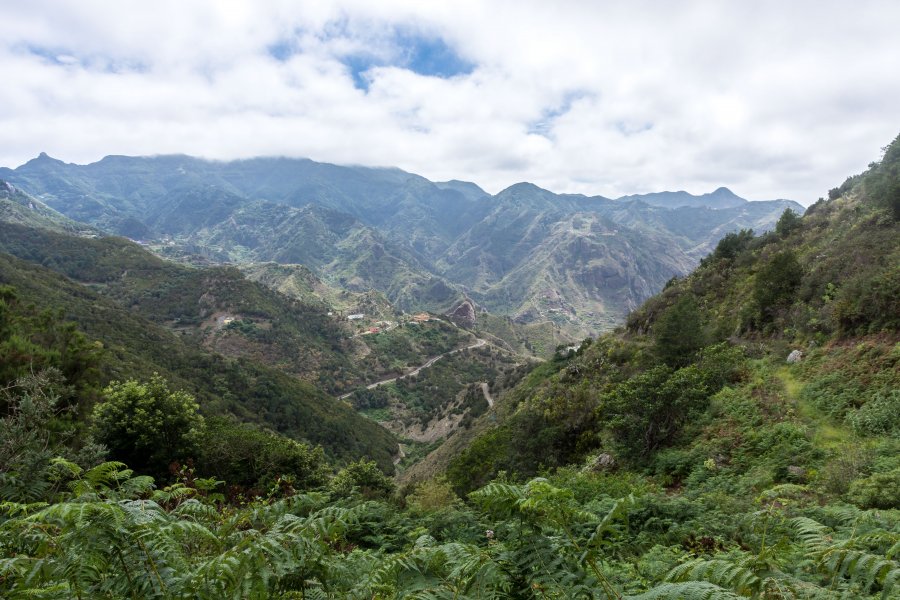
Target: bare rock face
[(795, 357), (463, 314), (602, 462)]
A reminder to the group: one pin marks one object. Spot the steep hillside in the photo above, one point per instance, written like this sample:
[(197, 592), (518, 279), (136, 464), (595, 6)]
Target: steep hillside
[(299, 282), (217, 307), (339, 248), (667, 393), (18, 207), (583, 263), (133, 347)]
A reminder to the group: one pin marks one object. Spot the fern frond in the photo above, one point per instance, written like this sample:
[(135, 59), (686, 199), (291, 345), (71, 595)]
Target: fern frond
[(500, 498), (618, 512), (813, 534), (862, 567), (195, 510), (689, 590), (735, 575)]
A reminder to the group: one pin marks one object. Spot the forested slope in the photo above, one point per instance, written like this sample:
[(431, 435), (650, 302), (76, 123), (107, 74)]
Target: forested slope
[(130, 346)]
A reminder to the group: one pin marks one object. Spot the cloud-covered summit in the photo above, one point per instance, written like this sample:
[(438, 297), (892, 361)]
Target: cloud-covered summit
[(600, 98)]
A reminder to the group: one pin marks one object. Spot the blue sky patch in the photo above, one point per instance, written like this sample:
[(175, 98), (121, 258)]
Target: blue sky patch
[(425, 55), (359, 64), (431, 56), (401, 47), (281, 50), (544, 124)]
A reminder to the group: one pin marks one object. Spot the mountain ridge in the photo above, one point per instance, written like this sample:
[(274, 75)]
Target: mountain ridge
[(425, 245), (469, 187)]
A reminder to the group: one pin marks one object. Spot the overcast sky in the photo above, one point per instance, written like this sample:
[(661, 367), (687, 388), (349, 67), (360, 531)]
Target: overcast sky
[(771, 99)]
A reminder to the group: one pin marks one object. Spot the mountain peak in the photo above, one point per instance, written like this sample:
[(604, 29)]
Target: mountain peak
[(44, 159), (522, 187), (724, 192)]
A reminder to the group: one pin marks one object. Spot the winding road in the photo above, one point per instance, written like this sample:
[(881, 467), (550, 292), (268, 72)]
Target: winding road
[(478, 343)]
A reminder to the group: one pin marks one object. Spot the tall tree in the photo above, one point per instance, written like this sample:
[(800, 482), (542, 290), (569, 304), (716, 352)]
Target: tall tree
[(776, 284), (679, 332)]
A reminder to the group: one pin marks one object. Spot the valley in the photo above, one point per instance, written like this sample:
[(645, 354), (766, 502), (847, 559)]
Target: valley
[(264, 391)]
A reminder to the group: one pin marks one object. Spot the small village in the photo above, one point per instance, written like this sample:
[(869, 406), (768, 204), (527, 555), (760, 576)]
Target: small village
[(369, 327)]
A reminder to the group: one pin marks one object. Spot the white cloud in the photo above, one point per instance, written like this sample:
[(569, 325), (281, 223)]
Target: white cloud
[(770, 99)]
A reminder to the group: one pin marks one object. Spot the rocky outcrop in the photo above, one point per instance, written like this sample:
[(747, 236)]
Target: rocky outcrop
[(463, 313)]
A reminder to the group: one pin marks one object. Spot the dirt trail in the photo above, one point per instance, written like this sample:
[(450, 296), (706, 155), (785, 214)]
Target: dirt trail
[(487, 395), (400, 455)]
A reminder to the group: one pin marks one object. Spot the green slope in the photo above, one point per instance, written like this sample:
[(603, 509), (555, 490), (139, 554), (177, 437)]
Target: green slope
[(18, 207), (136, 347), (299, 337)]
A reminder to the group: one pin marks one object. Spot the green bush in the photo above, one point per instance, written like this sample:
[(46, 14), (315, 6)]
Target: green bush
[(249, 456), (881, 490), (363, 477), (880, 415), (788, 222), (679, 332), (776, 284), (147, 425), (733, 244), (869, 303)]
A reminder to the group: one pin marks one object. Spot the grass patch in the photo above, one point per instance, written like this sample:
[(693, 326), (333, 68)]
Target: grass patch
[(826, 433), (377, 414)]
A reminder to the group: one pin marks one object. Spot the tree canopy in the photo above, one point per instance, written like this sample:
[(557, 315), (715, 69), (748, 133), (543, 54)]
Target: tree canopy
[(147, 424)]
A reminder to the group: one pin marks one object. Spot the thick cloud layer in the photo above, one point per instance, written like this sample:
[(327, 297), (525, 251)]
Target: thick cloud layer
[(771, 99)]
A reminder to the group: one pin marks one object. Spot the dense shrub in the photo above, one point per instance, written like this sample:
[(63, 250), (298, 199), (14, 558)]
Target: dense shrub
[(247, 455), (880, 415), (363, 477), (679, 332), (148, 425), (881, 490)]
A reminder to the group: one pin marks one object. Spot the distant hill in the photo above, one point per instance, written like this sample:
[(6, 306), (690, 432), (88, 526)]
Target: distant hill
[(721, 198), (575, 262)]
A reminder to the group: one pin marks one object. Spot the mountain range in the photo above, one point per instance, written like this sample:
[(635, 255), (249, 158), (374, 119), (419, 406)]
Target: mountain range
[(578, 262)]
